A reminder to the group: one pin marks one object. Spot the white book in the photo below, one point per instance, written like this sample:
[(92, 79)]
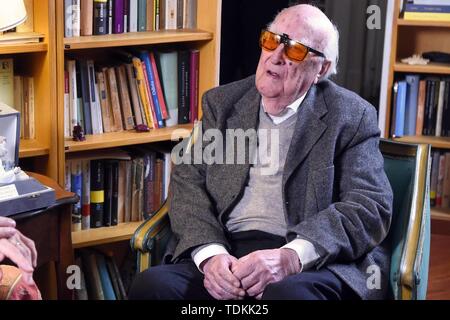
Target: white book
[(440, 109), (170, 15), (73, 97), (67, 120), (68, 179), (68, 18), (76, 9), (133, 16), (433, 2), (166, 174), (18, 100), (98, 107)]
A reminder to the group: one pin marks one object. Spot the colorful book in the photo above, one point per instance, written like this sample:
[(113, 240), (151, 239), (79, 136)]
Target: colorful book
[(100, 17), (168, 71), (400, 110), (97, 193), (76, 185), (118, 16)]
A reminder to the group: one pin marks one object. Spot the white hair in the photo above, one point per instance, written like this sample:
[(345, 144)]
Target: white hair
[(331, 52)]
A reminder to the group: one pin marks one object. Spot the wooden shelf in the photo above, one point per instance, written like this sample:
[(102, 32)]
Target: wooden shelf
[(420, 23), (93, 237), (441, 214), (23, 48), (125, 138), (436, 142), (32, 148), (440, 68), (136, 38)]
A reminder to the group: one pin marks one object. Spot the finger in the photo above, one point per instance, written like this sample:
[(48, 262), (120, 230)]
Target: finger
[(7, 222), (31, 246), (244, 269), (210, 290), (16, 241), (228, 276), (250, 280), (7, 232), (259, 296), (10, 251), (218, 291)]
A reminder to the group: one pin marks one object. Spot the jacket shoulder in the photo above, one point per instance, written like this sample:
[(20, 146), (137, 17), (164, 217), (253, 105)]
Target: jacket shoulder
[(229, 94)]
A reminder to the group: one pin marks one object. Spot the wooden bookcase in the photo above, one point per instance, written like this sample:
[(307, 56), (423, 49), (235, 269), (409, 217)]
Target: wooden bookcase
[(408, 38), (206, 38), (37, 60)]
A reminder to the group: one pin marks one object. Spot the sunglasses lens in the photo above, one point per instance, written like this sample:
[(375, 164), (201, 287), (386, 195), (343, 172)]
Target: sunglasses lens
[(269, 41), (296, 51)]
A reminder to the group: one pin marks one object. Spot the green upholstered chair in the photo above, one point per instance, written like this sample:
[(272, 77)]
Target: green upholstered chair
[(407, 167)]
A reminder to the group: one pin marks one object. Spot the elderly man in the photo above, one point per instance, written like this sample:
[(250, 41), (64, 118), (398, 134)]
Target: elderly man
[(311, 228)]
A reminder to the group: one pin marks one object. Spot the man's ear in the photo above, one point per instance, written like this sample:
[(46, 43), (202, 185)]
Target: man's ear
[(326, 65)]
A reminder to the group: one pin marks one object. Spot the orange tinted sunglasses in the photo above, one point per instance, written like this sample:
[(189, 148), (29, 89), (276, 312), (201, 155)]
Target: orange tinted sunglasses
[(294, 50)]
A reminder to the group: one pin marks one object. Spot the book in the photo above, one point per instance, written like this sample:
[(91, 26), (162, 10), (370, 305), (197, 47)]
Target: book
[(29, 108), (96, 113), (100, 17), (158, 87), (168, 72), (440, 108), (115, 100), (86, 95), (414, 7), (193, 85), (115, 193), (434, 177), (73, 99), (412, 95), (134, 94), (7, 81), (145, 58), (426, 16), (94, 282), (150, 15), (110, 16), (76, 22), (76, 187), (183, 86), (400, 110), (142, 15), (440, 183), (18, 100), (118, 16), (114, 277), (67, 126), (394, 108), (107, 211), (68, 5), (97, 193), (126, 14), (125, 103), (133, 18), (86, 195), (446, 112), (107, 117), (170, 14), (421, 107), (190, 14), (446, 188), (86, 17)]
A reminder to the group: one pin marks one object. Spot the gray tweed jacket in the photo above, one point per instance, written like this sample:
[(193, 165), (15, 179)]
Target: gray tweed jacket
[(335, 190)]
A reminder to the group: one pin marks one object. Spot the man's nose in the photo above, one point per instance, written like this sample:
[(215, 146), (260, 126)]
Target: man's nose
[(278, 55)]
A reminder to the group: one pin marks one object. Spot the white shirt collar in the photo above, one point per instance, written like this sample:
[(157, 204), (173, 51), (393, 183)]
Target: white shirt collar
[(288, 112)]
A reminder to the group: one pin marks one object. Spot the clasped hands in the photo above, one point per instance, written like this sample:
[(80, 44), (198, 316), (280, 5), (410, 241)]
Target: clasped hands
[(229, 278), (18, 248)]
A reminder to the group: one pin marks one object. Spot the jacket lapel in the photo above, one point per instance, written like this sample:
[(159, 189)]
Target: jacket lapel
[(308, 129)]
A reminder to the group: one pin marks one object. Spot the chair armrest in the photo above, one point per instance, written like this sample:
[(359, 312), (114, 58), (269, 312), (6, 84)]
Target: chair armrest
[(149, 228)]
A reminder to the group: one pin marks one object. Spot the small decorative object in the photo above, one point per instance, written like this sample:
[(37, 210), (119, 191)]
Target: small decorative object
[(78, 133), (416, 59), (142, 128)]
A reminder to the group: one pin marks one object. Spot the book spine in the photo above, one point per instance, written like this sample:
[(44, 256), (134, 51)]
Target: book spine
[(110, 16), (96, 121), (126, 15), (76, 185), (142, 15), (194, 83), (104, 103), (446, 113), (158, 87), (68, 18), (131, 78), (137, 64), (169, 77), (108, 194), (115, 194), (152, 112), (156, 25), (85, 90), (118, 17), (401, 105), (76, 12), (97, 193), (100, 17), (150, 15), (66, 105), (86, 196), (423, 16), (440, 183), (409, 7), (170, 13), (183, 87), (180, 14), (133, 21), (115, 101), (190, 14), (421, 107), (86, 17), (124, 98), (105, 279), (440, 109), (411, 104), (434, 177)]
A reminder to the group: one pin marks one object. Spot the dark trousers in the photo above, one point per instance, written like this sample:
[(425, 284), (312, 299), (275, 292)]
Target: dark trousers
[(183, 281)]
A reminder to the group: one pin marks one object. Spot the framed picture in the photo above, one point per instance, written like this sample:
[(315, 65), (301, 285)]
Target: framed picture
[(9, 136)]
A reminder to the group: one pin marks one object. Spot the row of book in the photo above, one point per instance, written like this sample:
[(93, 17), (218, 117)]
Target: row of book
[(155, 89), (421, 106), (432, 10), (17, 91), (440, 180), (101, 278), (99, 17), (117, 186)]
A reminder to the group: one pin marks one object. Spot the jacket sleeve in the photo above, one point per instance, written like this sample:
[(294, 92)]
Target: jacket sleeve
[(360, 219), (192, 214)]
